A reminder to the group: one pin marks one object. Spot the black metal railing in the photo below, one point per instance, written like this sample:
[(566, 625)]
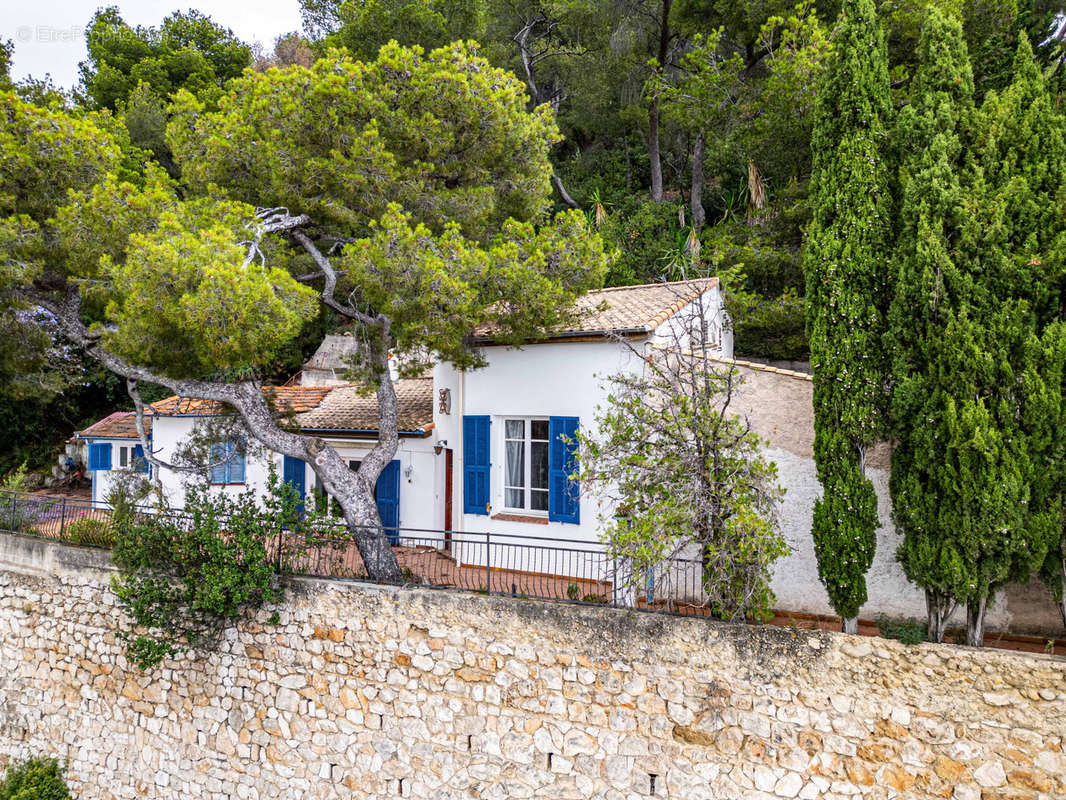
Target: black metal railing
[(67, 519), (493, 563)]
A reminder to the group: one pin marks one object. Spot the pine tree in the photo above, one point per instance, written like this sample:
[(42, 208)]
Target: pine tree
[(927, 500), (845, 262)]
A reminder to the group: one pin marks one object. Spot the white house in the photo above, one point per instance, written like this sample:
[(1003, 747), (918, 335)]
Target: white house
[(338, 413), (112, 444), (481, 456), (479, 450), (504, 421)]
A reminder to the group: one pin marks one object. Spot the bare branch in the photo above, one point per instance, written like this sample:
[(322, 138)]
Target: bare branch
[(325, 266), (570, 201)]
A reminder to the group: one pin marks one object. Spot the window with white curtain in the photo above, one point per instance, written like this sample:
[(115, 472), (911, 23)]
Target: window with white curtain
[(526, 464)]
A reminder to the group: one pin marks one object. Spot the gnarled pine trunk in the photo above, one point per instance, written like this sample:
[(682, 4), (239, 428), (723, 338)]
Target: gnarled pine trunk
[(354, 492)]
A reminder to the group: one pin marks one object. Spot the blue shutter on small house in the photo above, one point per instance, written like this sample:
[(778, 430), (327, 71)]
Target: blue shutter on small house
[(100, 456), (227, 463), (235, 472), (219, 452), (294, 472), (140, 463), (564, 503), (476, 465), (388, 497)]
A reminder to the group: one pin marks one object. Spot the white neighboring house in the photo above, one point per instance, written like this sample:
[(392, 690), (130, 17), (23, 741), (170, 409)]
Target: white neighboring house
[(479, 450), (112, 445)]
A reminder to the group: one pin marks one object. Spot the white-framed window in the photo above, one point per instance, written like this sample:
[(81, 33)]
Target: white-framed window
[(124, 456), (525, 464)]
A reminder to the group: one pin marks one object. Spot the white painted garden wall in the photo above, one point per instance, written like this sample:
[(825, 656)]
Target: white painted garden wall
[(779, 406)]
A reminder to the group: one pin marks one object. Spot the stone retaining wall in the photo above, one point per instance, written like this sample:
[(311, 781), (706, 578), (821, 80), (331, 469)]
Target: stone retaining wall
[(383, 693)]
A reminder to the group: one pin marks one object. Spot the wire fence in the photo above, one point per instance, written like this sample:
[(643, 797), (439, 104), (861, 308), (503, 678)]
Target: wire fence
[(492, 563)]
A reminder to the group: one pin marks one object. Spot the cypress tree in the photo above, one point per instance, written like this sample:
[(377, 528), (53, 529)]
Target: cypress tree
[(978, 409), (1012, 245), (845, 263), (928, 497), (1049, 488)]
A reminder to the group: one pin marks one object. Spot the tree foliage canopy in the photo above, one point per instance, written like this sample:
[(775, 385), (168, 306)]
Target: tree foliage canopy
[(187, 50), (976, 329), (34, 779), (847, 281), (409, 196), (930, 293)]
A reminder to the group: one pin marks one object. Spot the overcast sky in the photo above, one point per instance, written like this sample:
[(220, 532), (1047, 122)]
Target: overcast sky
[(49, 35)]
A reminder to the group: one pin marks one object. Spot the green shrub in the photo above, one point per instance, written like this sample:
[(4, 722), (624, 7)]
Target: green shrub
[(15, 481), (34, 779), (88, 531), (182, 579), (905, 631)]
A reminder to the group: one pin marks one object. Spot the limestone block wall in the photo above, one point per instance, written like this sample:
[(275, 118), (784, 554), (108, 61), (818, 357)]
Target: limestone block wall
[(385, 693)]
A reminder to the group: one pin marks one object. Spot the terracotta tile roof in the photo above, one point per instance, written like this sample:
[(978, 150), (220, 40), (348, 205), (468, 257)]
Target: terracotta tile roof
[(328, 408), (285, 399), (632, 309), (120, 425), (345, 409)]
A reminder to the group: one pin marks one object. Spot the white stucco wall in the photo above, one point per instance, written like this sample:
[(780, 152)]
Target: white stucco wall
[(101, 480), (556, 379), (539, 380), (779, 406), (421, 471)]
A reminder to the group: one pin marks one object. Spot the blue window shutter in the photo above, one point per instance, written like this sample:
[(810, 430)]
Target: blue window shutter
[(564, 504), (476, 465), (236, 468), (227, 463), (100, 456), (293, 471), (388, 497), (218, 464), (140, 463)]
